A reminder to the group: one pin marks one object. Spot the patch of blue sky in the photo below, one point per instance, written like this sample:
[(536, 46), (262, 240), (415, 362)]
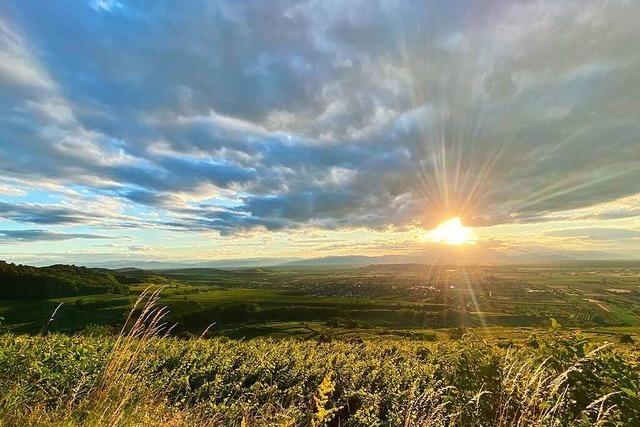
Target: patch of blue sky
[(38, 196), (11, 225)]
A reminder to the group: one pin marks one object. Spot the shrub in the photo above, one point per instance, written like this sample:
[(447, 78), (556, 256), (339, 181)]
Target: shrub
[(626, 339)]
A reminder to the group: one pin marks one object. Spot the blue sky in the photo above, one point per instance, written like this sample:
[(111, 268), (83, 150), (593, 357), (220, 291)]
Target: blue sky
[(227, 129)]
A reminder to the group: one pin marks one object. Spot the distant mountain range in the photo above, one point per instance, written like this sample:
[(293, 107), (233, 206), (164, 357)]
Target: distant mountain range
[(441, 255), (175, 265)]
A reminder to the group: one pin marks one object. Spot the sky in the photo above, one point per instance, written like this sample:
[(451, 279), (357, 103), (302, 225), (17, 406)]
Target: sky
[(237, 129)]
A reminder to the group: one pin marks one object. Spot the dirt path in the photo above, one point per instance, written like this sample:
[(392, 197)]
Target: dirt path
[(599, 304)]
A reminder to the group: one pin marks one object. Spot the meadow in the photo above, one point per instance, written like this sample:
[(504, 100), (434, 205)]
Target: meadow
[(384, 299), (381, 345)]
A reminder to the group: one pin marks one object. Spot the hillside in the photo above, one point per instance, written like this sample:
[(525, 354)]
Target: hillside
[(25, 282)]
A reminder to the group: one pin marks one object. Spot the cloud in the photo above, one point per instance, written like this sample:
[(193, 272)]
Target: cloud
[(40, 214), (329, 114), (140, 248), (596, 233), (43, 235)]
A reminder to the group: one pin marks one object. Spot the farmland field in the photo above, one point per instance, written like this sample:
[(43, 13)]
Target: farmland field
[(381, 345), (382, 299)]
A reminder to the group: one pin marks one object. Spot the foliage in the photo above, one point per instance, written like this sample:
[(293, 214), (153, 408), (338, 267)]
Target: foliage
[(322, 414), (72, 380), (25, 282)]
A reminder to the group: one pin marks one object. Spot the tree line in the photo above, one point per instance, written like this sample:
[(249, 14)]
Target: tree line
[(26, 282)]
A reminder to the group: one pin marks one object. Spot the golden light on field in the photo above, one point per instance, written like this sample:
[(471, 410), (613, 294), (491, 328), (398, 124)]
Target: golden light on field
[(452, 232)]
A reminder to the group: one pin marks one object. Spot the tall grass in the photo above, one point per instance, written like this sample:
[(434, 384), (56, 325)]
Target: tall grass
[(528, 395), (119, 395), (120, 384), (143, 377)]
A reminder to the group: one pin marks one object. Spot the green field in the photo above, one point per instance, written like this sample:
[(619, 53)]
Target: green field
[(382, 345), (374, 300)]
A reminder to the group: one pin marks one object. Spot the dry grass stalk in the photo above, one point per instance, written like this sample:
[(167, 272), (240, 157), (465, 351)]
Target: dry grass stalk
[(118, 386)]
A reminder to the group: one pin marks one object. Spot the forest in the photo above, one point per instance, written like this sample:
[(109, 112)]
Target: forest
[(26, 282)]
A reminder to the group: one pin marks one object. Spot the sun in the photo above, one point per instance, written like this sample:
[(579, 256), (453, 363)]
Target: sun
[(451, 232)]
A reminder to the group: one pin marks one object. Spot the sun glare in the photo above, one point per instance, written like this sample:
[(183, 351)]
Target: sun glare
[(451, 232)]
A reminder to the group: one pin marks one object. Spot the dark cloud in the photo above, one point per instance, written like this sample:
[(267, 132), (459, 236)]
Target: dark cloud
[(40, 214), (145, 197), (333, 114), (43, 235)]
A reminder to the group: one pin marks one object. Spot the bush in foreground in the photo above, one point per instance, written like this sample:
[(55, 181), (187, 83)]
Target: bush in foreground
[(139, 377)]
